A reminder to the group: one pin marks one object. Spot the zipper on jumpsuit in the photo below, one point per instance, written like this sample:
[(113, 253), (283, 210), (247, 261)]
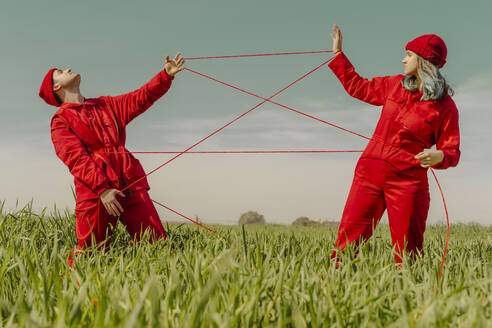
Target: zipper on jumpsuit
[(387, 145), (122, 175)]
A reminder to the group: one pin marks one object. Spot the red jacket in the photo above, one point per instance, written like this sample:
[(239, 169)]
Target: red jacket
[(407, 125), (90, 138)]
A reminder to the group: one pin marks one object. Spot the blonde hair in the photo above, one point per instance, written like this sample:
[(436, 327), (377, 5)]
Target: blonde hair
[(434, 85)]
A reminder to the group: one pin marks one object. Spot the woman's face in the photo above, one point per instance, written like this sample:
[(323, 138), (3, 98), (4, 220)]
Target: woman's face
[(410, 63)]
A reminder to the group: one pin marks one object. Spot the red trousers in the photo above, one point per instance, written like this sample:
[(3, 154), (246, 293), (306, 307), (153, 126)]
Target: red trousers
[(378, 186), (93, 221)]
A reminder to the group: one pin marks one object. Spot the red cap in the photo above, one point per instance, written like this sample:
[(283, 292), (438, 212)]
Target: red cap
[(430, 47), (46, 91)]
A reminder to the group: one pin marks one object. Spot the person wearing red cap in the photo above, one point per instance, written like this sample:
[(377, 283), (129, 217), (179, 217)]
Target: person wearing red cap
[(391, 174), (89, 136)]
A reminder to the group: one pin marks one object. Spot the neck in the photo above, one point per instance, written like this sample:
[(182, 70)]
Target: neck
[(73, 96), (419, 83)]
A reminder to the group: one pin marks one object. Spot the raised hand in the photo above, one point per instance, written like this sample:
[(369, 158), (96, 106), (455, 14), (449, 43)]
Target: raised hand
[(174, 66), (337, 39)]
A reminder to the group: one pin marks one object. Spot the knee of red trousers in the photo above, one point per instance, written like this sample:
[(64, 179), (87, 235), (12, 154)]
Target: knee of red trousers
[(410, 253), (402, 248), (158, 232), (398, 256), (162, 233), (154, 230), (141, 216), (353, 233), (97, 236), (344, 238), (158, 229), (92, 223), (408, 239), (342, 241)]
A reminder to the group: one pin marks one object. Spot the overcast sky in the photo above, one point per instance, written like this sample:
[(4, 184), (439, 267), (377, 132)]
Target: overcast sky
[(119, 45)]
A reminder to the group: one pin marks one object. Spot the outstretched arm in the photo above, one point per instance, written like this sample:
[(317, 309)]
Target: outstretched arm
[(370, 91), (130, 105)]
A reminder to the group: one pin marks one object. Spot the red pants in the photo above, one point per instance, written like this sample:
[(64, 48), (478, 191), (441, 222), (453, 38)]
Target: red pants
[(93, 221), (378, 186)]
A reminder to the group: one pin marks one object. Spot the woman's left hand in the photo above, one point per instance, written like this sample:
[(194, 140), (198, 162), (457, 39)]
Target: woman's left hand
[(430, 158)]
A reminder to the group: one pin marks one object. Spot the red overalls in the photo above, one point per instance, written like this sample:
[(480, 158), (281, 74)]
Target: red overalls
[(90, 139), (387, 175)]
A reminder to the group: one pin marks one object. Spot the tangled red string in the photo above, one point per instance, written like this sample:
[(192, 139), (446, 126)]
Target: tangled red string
[(231, 122), (244, 152), (264, 100), (261, 55)]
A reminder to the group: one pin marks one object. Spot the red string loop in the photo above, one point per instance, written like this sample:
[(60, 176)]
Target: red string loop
[(261, 55), (244, 152), (226, 125), (257, 152)]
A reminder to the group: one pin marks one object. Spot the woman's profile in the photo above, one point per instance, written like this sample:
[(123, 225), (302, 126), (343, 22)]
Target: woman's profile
[(391, 174)]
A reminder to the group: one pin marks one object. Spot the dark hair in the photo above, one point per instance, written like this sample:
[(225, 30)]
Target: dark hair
[(57, 98)]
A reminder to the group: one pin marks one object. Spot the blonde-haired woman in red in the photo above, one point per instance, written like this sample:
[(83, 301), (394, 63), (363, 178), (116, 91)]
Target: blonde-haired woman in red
[(391, 174)]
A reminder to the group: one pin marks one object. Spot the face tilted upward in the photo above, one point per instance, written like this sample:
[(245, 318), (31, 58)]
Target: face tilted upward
[(65, 79)]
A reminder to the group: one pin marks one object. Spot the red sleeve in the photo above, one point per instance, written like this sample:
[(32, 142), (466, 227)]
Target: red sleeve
[(70, 149), (448, 139), (370, 91), (130, 105)]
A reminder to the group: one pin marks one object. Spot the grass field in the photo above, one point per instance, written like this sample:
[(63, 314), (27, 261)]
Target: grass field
[(277, 276)]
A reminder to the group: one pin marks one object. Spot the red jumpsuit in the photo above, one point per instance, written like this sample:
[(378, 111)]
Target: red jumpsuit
[(90, 139), (387, 175)]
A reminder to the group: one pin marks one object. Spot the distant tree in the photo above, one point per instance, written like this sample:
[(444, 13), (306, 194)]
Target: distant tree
[(303, 220), (251, 217), (330, 223)]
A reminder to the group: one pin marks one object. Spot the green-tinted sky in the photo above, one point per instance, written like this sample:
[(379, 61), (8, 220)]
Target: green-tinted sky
[(118, 45)]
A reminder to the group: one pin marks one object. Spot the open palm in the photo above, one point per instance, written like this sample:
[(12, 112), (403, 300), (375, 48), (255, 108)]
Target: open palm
[(174, 66)]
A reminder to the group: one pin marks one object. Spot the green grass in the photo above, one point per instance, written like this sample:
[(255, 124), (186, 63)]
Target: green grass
[(275, 276)]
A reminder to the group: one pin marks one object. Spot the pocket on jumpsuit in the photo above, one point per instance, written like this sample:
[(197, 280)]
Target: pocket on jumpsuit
[(83, 212), (134, 169), (361, 170)]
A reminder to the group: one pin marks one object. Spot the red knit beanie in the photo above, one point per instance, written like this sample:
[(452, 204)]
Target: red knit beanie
[(430, 47), (46, 91)]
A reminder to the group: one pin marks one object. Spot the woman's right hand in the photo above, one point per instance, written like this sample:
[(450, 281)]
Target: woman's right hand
[(337, 39)]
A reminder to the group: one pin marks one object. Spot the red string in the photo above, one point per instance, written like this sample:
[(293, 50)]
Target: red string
[(268, 100), (259, 55), (447, 220), (234, 120), (184, 216), (276, 103), (320, 120), (243, 152)]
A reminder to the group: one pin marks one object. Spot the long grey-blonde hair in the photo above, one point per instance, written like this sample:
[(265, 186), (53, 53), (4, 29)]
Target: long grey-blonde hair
[(434, 85)]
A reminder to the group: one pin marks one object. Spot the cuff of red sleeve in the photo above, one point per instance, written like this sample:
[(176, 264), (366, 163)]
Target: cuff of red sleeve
[(339, 60), (165, 78), (444, 164), (100, 189)]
